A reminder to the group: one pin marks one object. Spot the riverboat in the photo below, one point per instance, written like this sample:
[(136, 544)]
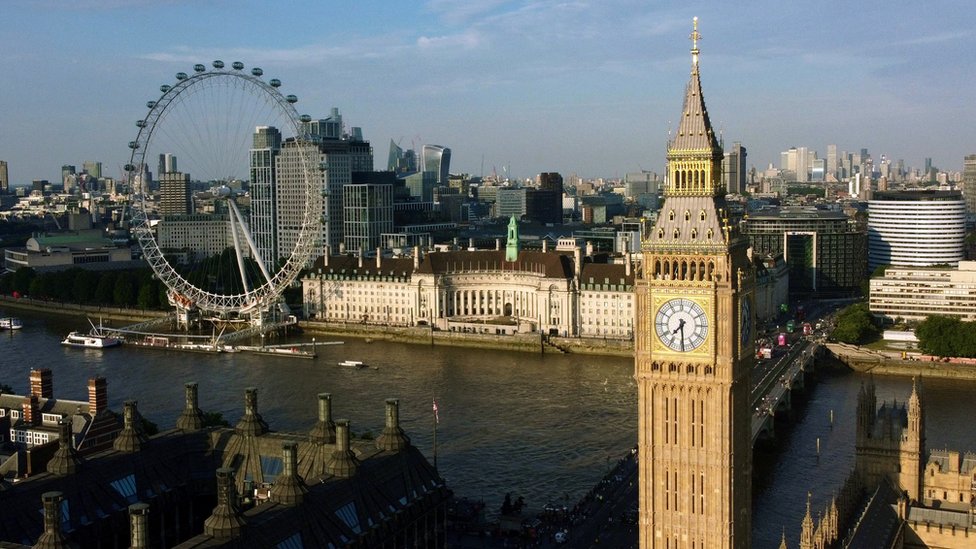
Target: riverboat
[(353, 364), (11, 323), (90, 340)]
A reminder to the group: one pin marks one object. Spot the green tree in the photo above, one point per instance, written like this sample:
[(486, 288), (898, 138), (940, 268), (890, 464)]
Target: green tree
[(855, 325), (104, 291), (22, 280), (147, 296), (124, 294), (84, 286)]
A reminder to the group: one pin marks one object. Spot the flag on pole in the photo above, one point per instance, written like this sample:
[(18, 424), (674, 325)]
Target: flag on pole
[(436, 418)]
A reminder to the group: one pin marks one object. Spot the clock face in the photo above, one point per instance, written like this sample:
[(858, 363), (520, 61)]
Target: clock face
[(745, 323), (681, 324)]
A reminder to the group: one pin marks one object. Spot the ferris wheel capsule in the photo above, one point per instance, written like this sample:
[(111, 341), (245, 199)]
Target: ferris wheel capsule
[(181, 76), (292, 99), (129, 168), (256, 71), (218, 64), (150, 104), (165, 88), (140, 123), (275, 83), (133, 145), (305, 118), (199, 67), (238, 65)]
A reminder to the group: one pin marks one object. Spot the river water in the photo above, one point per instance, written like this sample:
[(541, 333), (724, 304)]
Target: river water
[(543, 426)]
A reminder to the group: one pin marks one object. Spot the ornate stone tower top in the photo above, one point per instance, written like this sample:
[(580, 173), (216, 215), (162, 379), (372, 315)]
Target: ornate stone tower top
[(694, 154)]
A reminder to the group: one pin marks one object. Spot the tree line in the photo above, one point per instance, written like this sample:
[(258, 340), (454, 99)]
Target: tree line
[(947, 336), (134, 288)]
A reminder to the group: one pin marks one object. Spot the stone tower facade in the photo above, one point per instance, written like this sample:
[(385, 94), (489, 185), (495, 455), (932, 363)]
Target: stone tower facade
[(694, 350), (890, 442)]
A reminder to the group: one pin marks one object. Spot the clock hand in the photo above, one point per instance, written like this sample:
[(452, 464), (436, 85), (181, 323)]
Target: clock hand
[(682, 328)]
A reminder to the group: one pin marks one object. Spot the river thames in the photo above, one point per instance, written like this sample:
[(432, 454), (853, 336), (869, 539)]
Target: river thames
[(546, 427)]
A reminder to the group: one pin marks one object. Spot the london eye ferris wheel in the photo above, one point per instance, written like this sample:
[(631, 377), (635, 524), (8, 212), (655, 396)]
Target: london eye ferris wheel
[(216, 131)]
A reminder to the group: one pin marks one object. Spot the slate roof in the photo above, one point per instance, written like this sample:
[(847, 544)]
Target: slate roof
[(173, 466), (694, 130), (606, 273), (549, 264)]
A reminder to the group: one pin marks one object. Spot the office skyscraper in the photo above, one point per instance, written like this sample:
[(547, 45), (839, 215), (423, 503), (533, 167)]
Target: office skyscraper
[(4, 177), (174, 194), (734, 169), (265, 147), (92, 168), (832, 161), (436, 159), (969, 184), (335, 159), (693, 347)]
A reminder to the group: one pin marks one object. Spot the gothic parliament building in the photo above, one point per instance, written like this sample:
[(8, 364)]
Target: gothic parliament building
[(694, 351)]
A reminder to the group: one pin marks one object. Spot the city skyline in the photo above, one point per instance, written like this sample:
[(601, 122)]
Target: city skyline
[(518, 87)]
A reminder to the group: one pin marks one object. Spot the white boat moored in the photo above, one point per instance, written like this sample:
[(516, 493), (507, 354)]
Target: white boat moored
[(90, 341)]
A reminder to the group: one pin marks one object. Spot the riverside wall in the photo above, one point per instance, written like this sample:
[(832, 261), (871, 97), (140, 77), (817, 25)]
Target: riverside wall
[(423, 335), (874, 362), (419, 335), (82, 311)]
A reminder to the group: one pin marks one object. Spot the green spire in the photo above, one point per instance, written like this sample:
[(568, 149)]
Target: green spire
[(512, 245)]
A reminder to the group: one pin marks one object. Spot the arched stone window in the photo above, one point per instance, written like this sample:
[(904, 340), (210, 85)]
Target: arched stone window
[(671, 215), (687, 215), (701, 215), (694, 234), (677, 233)]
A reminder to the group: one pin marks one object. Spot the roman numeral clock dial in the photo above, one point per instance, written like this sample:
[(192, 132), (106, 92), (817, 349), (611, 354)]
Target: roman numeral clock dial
[(681, 325)]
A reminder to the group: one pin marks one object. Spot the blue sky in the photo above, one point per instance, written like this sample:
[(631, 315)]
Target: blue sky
[(586, 87)]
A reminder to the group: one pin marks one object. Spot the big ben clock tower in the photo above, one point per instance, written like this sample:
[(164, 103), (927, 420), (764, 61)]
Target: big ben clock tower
[(694, 350)]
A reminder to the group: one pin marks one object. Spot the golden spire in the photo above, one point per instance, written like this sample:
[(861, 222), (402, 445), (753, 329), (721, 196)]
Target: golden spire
[(695, 37)]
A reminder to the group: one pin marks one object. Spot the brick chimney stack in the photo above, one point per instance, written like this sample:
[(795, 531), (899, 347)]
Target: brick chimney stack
[(32, 410), (97, 395), (42, 383)]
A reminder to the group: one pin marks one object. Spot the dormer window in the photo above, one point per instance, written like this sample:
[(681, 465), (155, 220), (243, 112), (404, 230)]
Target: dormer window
[(710, 234), (701, 216), (687, 215), (676, 234), (694, 234), (671, 215), (660, 233)]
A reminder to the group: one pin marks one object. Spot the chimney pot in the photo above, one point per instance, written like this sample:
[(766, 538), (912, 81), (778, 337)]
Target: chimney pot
[(52, 536), (191, 419), (343, 463), (225, 522), (392, 438), (139, 526), (251, 424)]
